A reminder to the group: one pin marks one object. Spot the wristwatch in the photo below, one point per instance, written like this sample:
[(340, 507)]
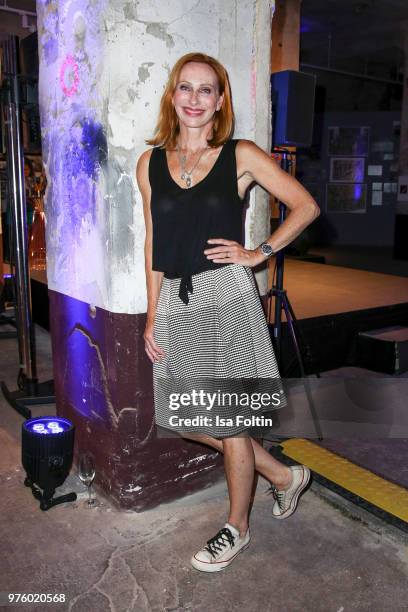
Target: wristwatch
[(266, 249)]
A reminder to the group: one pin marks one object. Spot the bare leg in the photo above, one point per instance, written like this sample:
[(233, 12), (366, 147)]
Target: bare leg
[(239, 464), (272, 469)]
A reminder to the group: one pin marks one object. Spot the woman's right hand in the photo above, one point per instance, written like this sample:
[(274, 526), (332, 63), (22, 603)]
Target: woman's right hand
[(153, 350)]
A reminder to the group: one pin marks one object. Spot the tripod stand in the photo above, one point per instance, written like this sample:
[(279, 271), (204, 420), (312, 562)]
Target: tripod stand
[(282, 303)]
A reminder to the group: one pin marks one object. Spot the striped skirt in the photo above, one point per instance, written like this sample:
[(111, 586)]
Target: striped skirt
[(217, 344)]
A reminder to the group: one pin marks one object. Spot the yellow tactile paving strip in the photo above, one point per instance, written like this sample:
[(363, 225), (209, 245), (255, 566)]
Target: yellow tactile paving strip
[(376, 490)]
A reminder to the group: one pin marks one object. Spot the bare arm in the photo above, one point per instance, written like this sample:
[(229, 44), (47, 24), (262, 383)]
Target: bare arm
[(153, 278), (258, 166)]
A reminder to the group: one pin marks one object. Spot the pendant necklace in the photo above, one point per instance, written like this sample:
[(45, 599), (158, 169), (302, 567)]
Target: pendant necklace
[(185, 174)]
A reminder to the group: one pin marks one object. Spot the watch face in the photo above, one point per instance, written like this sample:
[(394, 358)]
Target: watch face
[(266, 249)]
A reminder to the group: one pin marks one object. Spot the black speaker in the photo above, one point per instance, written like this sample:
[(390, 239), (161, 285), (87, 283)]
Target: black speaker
[(293, 96)]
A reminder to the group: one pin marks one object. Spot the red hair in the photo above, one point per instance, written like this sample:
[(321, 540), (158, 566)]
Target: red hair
[(167, 127)]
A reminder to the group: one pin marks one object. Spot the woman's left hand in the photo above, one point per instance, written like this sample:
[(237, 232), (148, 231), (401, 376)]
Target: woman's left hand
[(230, 251)]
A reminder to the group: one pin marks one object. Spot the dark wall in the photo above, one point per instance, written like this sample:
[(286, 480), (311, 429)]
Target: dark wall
[(375, 227), (346, 93)]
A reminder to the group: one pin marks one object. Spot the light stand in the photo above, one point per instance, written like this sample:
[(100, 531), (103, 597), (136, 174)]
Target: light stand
[(30, 391), (282, 303)]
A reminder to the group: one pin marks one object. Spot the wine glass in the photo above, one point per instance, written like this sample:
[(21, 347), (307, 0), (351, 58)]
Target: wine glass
[(86, 473)]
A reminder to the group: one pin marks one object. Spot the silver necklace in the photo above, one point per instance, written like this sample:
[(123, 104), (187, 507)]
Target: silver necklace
[(186, 175)]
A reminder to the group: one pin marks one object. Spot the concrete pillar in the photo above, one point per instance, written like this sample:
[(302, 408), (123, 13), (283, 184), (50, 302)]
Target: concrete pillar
[(103, 67)]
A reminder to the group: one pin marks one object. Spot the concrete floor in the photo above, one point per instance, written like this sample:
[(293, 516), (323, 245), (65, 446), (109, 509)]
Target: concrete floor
[(329, 556)]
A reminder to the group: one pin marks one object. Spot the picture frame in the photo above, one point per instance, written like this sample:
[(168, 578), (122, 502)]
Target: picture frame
[(346, 198), (347, 169), (348, 140)]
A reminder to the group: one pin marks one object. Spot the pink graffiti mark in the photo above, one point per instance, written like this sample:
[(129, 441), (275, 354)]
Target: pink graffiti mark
[(69, 72)]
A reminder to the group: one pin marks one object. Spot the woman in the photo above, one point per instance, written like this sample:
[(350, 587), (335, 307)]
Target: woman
[(204, 316)]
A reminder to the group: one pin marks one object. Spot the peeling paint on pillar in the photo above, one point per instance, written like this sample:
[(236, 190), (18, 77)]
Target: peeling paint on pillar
[(121, 56), (103, 67)]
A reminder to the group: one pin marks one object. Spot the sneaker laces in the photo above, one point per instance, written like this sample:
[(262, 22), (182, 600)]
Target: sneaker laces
[(279, 496), (221, 539)]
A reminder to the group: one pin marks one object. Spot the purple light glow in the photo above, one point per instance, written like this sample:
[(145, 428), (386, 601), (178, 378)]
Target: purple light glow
[(309, 25), (358, 191), (84, 380), (48, 425), (312, 25), (77, 161)]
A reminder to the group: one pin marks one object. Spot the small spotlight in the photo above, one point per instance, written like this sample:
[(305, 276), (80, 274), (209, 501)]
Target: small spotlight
[(47, 450)]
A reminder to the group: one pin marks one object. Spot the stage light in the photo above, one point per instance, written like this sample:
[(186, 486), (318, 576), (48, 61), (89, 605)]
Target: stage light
[(47, 446)]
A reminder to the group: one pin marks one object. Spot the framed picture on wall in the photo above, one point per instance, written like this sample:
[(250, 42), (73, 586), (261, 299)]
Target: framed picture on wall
[(346, 198), (347, 169), (348, 140)]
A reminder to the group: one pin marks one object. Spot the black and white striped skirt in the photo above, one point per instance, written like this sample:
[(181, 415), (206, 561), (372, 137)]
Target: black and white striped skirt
[(217, 343)]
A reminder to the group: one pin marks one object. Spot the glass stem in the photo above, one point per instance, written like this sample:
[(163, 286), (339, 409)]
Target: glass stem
[(89, 495)]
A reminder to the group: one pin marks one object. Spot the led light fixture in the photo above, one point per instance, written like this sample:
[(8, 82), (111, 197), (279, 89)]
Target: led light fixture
[(47, 451)]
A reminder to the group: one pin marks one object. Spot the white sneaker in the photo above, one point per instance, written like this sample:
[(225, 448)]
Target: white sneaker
[(220, 550), (287, 500)]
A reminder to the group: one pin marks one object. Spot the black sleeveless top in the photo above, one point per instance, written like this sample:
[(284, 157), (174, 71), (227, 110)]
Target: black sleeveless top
[(185, 218)]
